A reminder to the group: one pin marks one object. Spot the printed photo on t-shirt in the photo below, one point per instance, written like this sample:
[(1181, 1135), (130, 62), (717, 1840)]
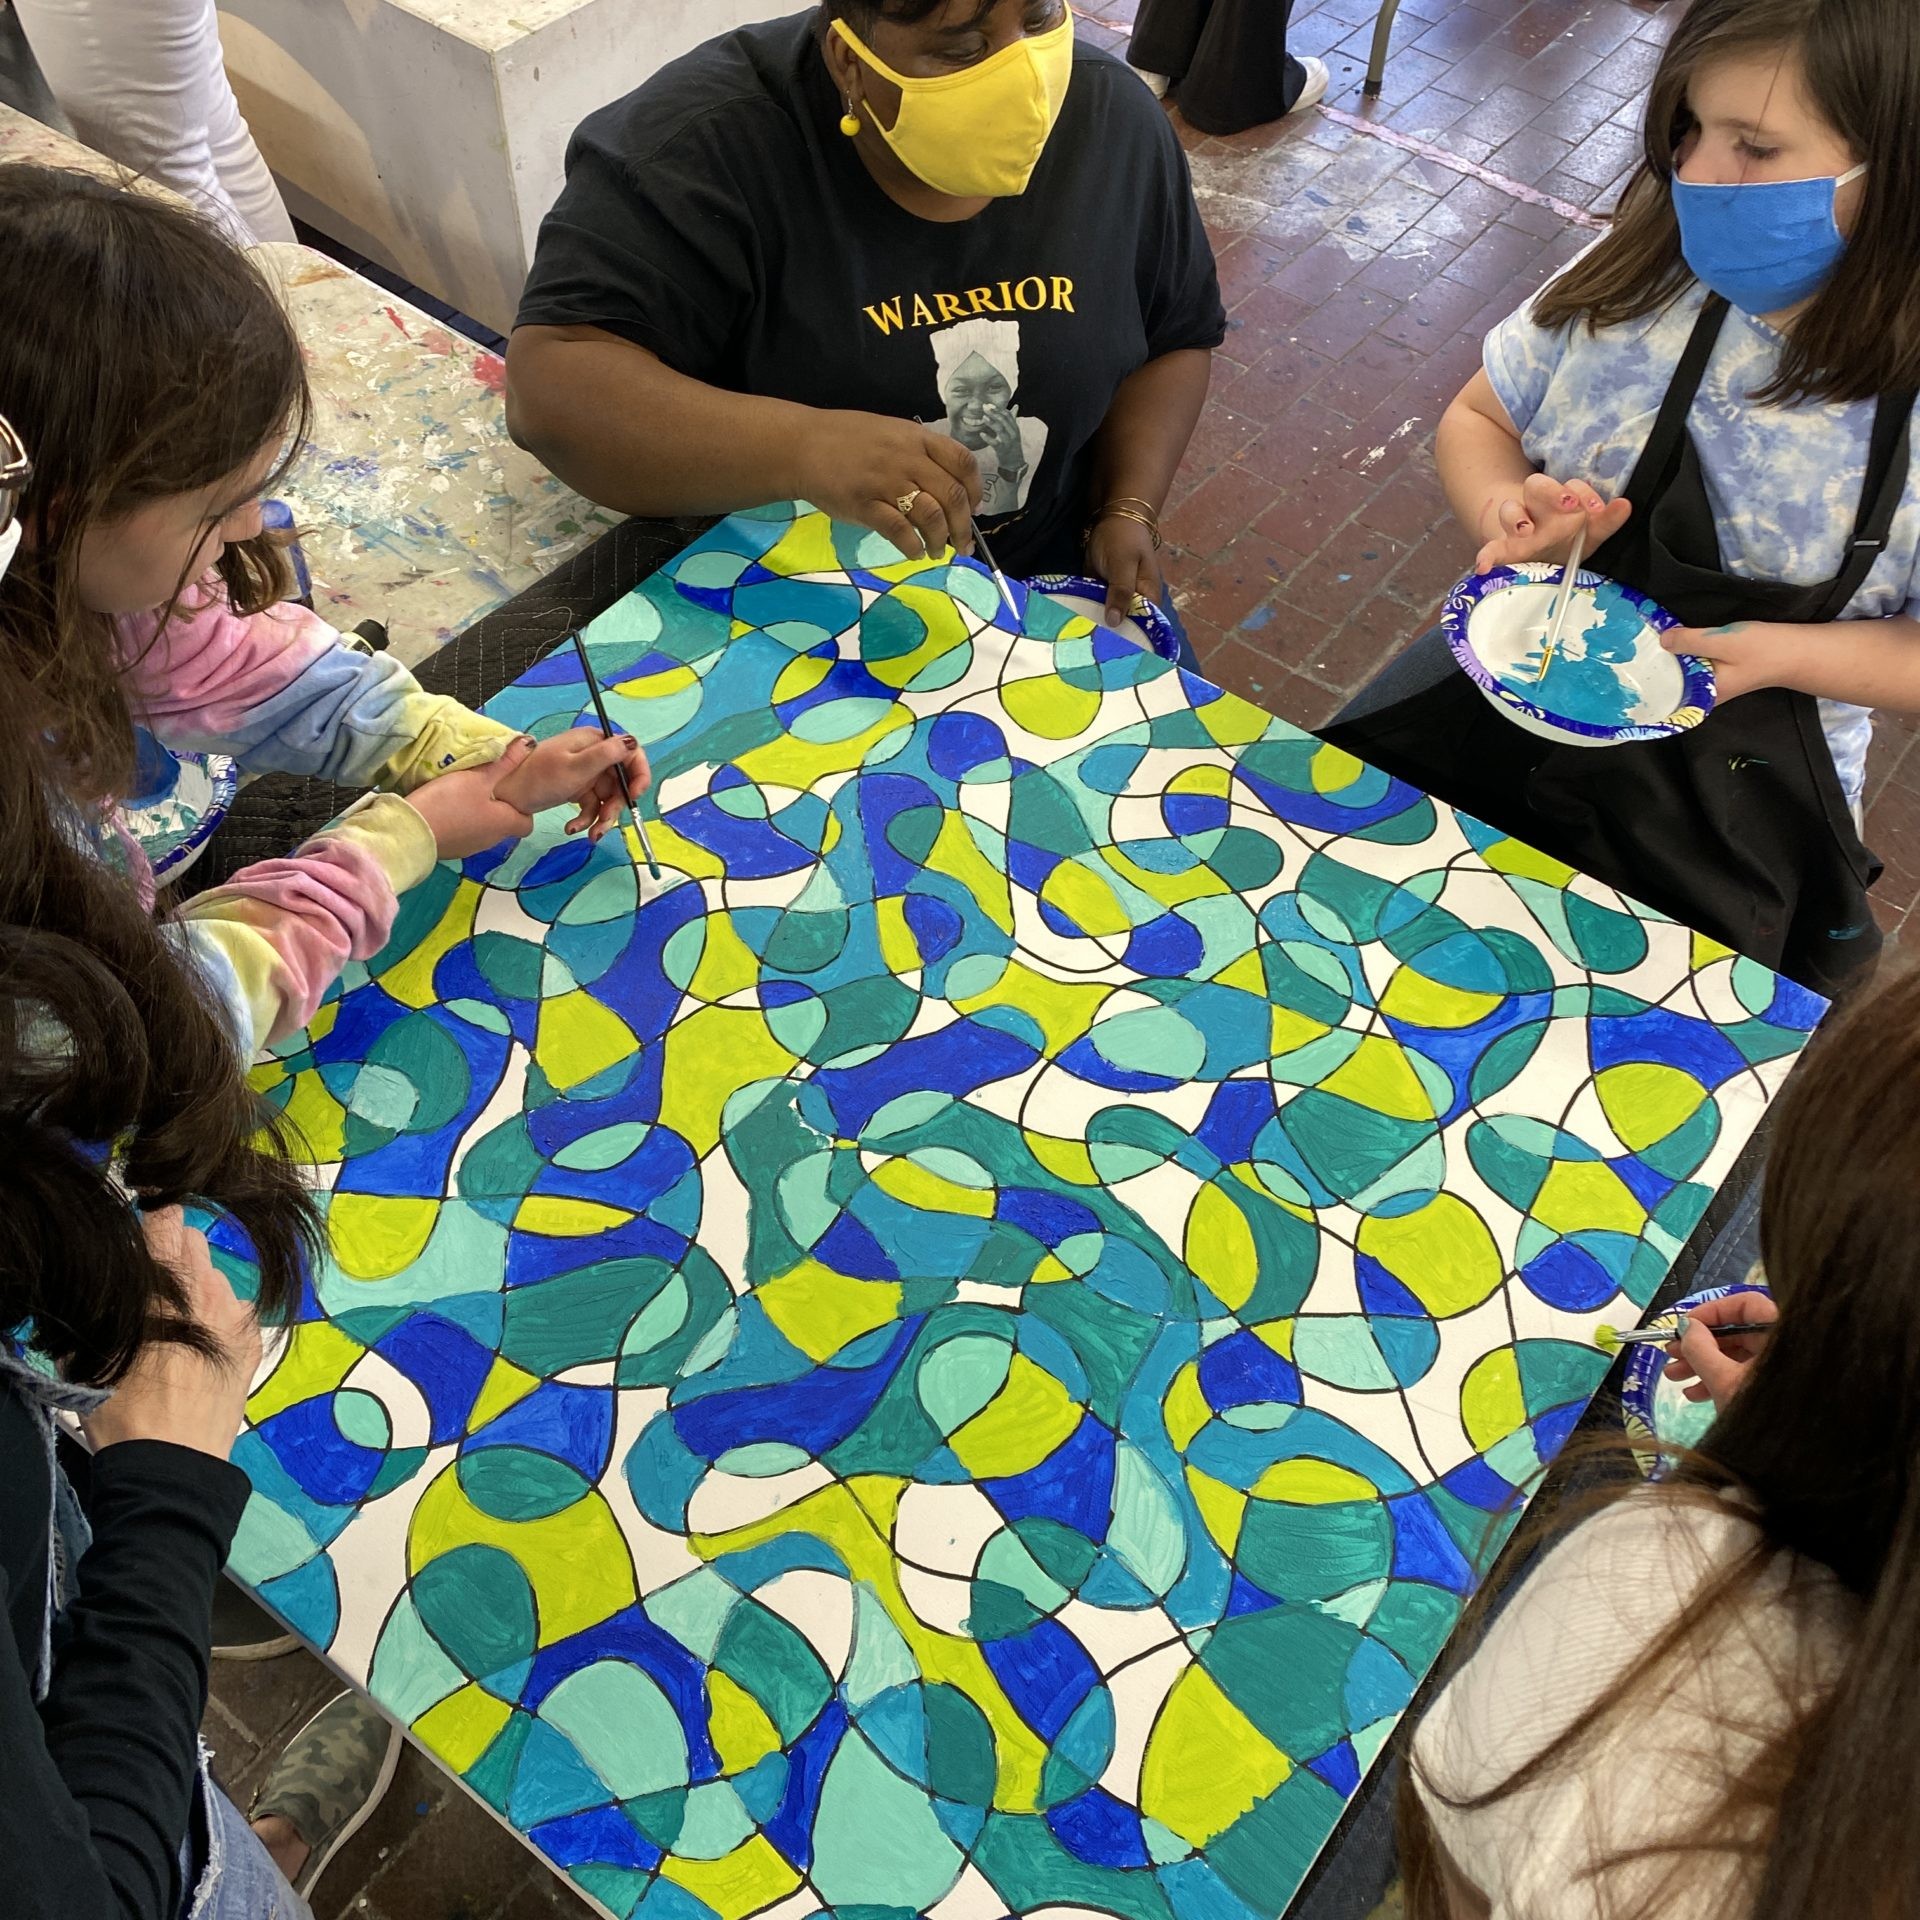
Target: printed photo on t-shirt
[(978, 372)]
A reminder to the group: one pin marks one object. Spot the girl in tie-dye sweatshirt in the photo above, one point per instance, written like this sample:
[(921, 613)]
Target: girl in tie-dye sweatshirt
[(160, 385)]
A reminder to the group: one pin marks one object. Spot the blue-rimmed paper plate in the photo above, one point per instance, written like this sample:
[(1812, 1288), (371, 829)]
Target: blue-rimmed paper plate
[(1654, 1410), (183, 798), (1145, 624), (1610, 682)]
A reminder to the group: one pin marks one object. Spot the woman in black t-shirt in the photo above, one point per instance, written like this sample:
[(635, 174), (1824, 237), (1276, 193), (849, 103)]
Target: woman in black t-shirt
[(917, 261)]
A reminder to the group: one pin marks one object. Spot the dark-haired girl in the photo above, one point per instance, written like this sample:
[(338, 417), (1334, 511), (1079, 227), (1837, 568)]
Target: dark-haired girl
[(157, 379), (1723, 391), (1705, 1700), (112, 1310), (915, 261)]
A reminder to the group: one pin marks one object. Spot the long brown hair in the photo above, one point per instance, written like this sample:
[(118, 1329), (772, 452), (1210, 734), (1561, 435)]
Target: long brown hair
[(1822, 1443), (142, 356), (117, 1078), (1860, 336)]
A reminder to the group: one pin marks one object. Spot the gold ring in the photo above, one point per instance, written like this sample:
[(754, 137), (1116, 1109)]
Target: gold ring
[(905, 502)]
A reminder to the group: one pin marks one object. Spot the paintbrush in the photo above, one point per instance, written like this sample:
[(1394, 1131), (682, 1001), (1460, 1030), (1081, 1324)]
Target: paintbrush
[(1568, 581), (999, 578), (1669, 1334), (634, 823)]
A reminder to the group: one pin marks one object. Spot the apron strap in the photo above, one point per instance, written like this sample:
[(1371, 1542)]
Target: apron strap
[(1668, 439), (1889, 464)]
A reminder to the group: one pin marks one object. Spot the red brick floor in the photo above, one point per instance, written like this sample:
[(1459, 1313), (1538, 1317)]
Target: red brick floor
[(1308, 539)]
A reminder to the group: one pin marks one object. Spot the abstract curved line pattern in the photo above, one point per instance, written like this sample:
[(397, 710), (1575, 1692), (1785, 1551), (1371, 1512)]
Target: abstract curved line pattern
[(959, 1356)]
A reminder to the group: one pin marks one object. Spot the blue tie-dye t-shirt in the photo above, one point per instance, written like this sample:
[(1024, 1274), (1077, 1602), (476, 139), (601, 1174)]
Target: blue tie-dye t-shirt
[(1784, 482)]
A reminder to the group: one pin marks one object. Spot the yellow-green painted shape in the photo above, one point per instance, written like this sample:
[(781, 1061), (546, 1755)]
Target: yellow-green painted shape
[(1020, 1426), (1206, 1763), (822, 1311), (711, 1055)]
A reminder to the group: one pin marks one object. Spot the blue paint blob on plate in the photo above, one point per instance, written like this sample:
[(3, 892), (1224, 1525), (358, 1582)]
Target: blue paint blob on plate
[(1609, 682)]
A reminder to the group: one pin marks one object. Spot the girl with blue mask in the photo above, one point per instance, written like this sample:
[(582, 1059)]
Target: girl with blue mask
[(1720, 396)]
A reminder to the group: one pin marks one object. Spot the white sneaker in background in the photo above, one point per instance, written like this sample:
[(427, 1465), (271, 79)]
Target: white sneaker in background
[(1156, 83), (1318, 79)]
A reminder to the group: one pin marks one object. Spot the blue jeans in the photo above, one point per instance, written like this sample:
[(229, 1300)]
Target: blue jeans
[(228, 1873)]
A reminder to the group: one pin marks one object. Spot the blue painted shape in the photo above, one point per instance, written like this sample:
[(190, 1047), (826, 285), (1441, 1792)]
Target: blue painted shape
[(574, 1424), (1074, 1484), (1423, 1549), (1044, 1672), (791, 1828), (1049, 1217), (1242, 1370), (814, 1413), (551, 1780), (446, 1363), (601, 1836), (1100, 1829), (1339, 1767)]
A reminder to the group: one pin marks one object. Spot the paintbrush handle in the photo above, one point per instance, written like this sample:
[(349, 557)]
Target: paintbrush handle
[(1657, 1337), (638, 825), (1569, 579)]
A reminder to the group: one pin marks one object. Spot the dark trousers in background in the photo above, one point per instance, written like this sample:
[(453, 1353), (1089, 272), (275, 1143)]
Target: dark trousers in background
[(1228, 59)]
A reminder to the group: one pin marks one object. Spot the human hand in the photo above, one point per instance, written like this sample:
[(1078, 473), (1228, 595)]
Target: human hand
[(1121, 552), (860, 466), (1745, 656), (1541, 520), (172, 1392), (1717, 1369), (465, 811), (1003, 435), (583, 766)]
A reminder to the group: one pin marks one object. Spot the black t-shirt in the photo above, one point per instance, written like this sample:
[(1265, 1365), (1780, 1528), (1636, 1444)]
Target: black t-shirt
[(97, 1780), (718, 217)]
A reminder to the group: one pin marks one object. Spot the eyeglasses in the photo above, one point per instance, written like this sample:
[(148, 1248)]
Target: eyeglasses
[(15, 471)]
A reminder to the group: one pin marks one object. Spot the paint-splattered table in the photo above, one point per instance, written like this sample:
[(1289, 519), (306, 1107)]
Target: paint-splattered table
[(418, 510), (959, 1354)]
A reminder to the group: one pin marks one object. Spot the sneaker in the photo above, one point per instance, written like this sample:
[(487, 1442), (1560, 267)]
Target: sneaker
[(1318, 80), (244, 1630), (329, 1778), (1155, 83)]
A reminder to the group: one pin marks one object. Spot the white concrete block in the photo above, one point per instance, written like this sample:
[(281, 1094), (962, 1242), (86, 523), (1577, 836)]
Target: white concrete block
[(431, 134)]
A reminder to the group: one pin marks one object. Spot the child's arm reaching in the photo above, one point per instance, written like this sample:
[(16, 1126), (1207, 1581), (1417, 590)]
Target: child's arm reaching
[(1514, 512), (283, 693), (275, 937)]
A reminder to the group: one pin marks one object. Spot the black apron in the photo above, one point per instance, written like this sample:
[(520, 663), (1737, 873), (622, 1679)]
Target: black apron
[(1739, 828)]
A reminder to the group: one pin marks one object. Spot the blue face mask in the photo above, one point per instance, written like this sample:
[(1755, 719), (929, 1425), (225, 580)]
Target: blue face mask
[(1764, 246)]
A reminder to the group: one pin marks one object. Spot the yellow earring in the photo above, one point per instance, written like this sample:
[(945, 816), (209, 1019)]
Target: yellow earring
[(850, 122)]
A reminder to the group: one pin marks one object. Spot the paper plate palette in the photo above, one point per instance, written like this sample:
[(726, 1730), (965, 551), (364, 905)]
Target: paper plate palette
[(183, 797), (1654, 1410), (1609, 682), (1145, 624)]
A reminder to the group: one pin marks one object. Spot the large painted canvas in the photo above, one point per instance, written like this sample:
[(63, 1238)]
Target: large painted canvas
[(958, 1354)]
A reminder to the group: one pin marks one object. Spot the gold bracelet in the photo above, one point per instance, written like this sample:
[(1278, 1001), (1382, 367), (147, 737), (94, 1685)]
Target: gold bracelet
[(1114, 511), (1134, 500)]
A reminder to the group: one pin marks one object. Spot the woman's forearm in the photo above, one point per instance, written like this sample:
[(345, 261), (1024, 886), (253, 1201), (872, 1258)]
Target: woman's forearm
[(620, 426), (1148, 426)]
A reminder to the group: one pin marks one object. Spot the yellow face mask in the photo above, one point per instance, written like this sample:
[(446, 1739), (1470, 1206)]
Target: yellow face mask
[(979, 132)]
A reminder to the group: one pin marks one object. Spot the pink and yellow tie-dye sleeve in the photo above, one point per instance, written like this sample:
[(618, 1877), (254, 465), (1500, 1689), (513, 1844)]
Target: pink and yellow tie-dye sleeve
[(274, 938), (282, 692)]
